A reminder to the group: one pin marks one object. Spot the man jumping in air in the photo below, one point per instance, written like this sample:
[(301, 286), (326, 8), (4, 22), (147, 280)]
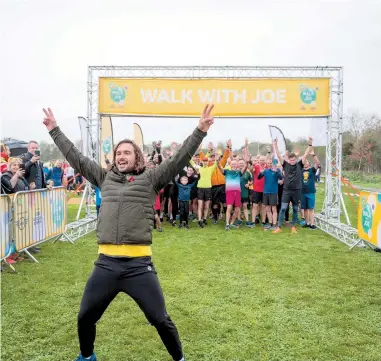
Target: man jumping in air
[(124, 232)]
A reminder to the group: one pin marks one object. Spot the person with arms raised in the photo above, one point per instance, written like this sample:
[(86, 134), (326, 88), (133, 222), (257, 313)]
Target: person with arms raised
[(292, 188), (124, 232)]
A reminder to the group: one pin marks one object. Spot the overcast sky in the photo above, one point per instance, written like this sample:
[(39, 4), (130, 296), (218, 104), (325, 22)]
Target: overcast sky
[(47, 46)]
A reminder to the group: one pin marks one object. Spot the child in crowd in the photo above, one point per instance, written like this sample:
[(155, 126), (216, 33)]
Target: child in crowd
[(50, 184), (184, 199)]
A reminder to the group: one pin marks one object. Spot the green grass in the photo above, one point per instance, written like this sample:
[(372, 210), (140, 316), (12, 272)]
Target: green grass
[(72, 213), (370, 185), (238, 295)]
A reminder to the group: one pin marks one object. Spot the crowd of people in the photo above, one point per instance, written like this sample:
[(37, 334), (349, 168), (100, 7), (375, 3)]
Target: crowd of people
[(242, 189), (28, 172)]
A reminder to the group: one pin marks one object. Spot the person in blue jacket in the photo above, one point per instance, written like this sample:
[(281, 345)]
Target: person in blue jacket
[(270, 194), (56, 174), (184, 199)]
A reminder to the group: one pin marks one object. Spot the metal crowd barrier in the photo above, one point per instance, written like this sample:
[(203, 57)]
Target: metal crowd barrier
[(5, 226), (38, 216)]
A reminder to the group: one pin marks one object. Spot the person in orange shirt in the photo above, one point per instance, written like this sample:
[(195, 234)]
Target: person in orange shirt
[(218, 180)]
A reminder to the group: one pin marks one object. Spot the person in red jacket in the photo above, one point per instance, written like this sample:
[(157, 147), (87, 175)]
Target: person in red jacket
[(259, 185), (4, 156)]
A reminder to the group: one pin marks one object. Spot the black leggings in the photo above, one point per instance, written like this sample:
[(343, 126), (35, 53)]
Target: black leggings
[(136, 277), (173, 195)]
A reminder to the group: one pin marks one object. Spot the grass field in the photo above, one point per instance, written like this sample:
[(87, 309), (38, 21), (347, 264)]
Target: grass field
[(368, 185), (238, 295)]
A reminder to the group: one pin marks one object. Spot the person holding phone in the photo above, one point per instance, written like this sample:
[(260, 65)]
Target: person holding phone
[(34, 168), (13, 181)]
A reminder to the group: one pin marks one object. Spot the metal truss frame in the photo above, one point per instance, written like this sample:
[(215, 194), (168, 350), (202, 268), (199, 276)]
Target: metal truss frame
[(78, 229), (329, 218)]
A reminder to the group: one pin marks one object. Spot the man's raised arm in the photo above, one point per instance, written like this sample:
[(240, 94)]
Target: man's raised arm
[(162, 175), (275, 142), (89, 169), (308, 150)]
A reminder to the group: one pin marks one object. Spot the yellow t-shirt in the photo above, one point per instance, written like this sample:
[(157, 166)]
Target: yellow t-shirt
[(205, 180)]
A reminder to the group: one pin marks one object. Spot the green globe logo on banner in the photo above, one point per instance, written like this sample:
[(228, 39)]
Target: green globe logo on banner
[(307, 95), (117, 93), (366, 218), (106, 146)]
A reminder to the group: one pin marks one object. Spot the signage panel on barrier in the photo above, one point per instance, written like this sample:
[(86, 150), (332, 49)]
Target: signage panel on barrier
[(275, 97), (39, 215), (369, 217), (5, 225)]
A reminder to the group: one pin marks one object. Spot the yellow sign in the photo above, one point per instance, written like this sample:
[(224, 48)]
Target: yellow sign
[(38, 216), (369, 217), (107, 139), (232, 97)]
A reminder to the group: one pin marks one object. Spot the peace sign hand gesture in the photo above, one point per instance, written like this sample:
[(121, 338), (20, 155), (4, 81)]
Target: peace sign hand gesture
[(206, 119), (49, 120)]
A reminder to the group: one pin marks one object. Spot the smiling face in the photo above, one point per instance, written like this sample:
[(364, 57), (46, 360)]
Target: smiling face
[(184, 180), (234, 164), (189, 172), (241, 164), (269, 163), (306, 164), (14, 167), (292, 160), (125, 157)]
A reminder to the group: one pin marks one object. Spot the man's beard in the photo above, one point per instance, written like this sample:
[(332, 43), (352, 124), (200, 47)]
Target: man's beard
[(128, 170)]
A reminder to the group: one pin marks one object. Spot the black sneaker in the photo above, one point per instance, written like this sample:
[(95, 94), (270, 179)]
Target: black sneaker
[(312, 226), (201, 224), (173, 223), (205, 222), (306, 226), (186, 226), (180, 225), (215, 222)]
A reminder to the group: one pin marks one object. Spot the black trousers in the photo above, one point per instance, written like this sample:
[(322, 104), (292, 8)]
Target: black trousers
[(279, 205), (136, 277), (184, 211), (173, 195)]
